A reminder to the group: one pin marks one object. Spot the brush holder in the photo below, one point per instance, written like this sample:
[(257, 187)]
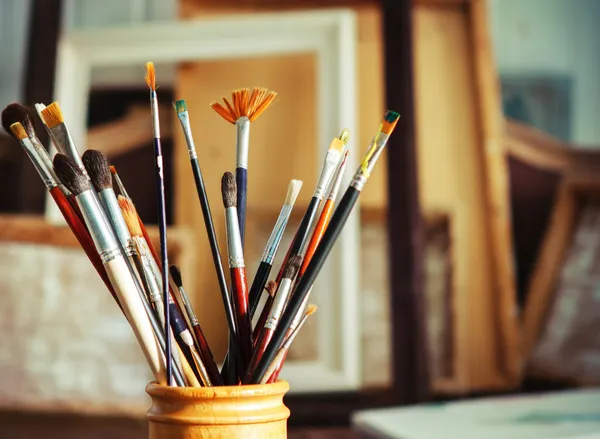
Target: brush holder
[(232, 412)]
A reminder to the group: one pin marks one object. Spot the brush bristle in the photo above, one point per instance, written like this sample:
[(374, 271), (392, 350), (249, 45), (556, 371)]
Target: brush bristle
[(389, 122), (271, 288), (53, 115), (97, 167), (113, 170), (130, 215), (336, 145), (345, 136), (150, 76), (245, 103), (292, 192), (176, 275), (180, 106), (228, 190), (311, 309), (14, 113), (70, 174), (18, 131), (292, 267)]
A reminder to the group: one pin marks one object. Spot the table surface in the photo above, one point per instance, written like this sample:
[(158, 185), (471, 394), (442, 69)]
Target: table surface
[(560, 415)]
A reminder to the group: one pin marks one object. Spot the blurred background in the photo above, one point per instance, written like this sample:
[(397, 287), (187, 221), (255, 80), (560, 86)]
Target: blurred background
[(478, 233)]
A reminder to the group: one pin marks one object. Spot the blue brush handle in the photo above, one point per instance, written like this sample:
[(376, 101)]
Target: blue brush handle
[(241, 180)]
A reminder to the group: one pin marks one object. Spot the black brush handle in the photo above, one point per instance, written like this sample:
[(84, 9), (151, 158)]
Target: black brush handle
[(214, 244), (241, 180), (336, 225), (179, 326), (162, 225), (258, 284), (304, 228)]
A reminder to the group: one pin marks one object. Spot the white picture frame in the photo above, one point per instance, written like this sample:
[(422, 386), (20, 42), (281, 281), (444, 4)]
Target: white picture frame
[(332, 36)]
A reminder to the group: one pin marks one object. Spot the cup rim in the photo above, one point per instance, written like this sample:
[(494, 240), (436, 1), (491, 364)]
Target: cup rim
[(248, 390)]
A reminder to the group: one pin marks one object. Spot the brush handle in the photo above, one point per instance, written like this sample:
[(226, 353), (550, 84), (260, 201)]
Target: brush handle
[(126, 291), (164, 258), (241, 180), (275, 367), (214, 243), (258, 285), (207, 357), (183, 338), (303, 229), (339, 218), (259, 348), (80, 231), (317, 236), (240, 297)]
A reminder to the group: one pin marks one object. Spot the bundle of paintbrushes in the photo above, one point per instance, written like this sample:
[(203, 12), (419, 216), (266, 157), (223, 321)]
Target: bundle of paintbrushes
[(149, 292)]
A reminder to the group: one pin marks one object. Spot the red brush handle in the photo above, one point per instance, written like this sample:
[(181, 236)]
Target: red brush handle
[(207, 357), (259, 349), (277, 371), (81, 233), (240, 299)]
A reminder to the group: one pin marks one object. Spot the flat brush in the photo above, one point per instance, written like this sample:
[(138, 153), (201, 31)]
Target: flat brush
[(206, 355), (59, 133), (333, 231), (73, 220), (281, 297), (184, 118), (245, 108), (162, 210), (266, 261), (282, 353), (114, 262), (237, 267)]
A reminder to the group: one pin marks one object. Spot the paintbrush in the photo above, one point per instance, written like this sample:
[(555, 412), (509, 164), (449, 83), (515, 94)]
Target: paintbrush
[(119, 183), (152, 277), (325, 216), (114, 263), (59, 133), (266, 261), (183, 115), (281, 297), (275, 366), (162, 210), (206, 355), (237, 267), (245, 108), (334, 229), (300, 241)]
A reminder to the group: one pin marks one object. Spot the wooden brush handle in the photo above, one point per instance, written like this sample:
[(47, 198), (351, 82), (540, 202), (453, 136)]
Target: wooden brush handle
[(244, 325), (207, 357), (317, 235), (130, 300), (260, 347)]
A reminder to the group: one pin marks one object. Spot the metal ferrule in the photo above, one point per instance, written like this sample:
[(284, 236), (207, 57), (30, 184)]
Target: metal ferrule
[(234, 240), (184, 118), (154, 293), (154, 109), (39, 165), (368, 163), (100, 231), (44, 156), (337, 182), (278, 304), (301, 311), (108, 199), (150, 265), (276, 235), (188, 307), (62, 139), (331, 161), (242, 142)]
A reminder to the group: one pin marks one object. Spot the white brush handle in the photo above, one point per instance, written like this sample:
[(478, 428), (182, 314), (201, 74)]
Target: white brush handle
[(130, 300)]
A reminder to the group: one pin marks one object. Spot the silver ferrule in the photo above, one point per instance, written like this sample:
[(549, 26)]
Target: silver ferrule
[(154, 109), (44, 156), (38, 164), (331, 161), (62, 139), (187, 338), (154, 293), (278, 304), (100, 231), (234, 240), (337, 181), (301, 311), (373, 153), (242, 142), (121, 186), (276, 235), (184, 118), (188, 307), (108, 199)]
